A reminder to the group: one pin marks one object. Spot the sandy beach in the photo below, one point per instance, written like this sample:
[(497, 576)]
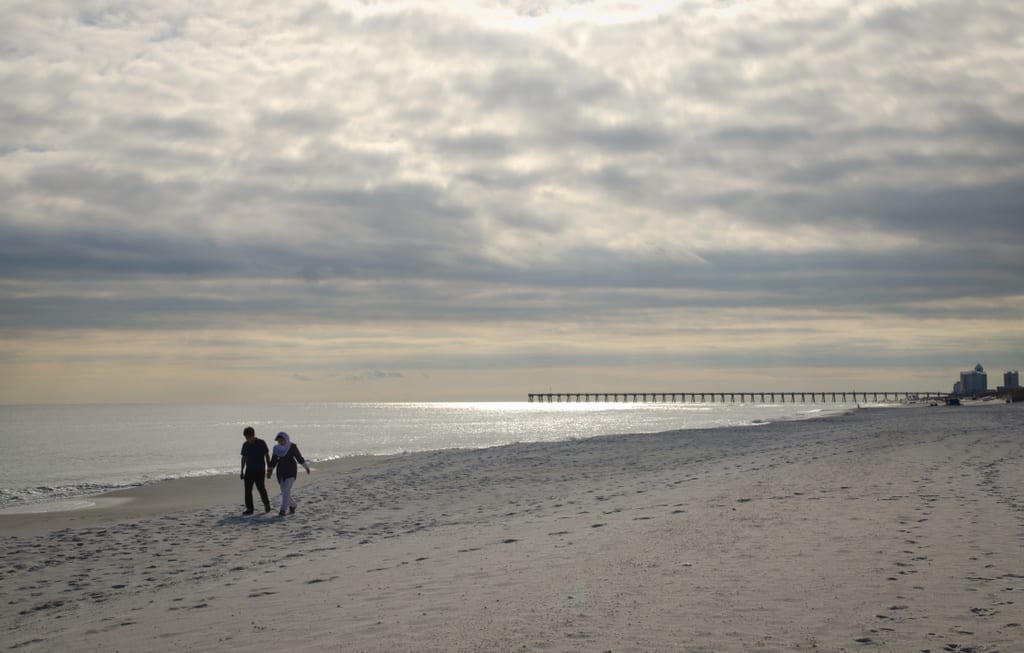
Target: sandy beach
[(880, 530)]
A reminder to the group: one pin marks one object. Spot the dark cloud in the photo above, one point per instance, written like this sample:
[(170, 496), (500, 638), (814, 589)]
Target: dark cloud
[(299, 122), (174, 129), (375, 375)]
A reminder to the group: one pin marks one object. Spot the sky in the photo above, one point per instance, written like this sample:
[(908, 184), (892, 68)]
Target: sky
[(309, 201)]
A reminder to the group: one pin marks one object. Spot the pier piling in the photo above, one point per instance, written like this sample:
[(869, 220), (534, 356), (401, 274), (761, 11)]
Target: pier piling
[(838, 396)]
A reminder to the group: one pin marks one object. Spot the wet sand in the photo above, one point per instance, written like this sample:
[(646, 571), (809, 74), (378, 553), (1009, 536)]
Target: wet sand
[(881, 530)]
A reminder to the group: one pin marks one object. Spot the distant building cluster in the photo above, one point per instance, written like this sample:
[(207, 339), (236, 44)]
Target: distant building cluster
[(974, 382)]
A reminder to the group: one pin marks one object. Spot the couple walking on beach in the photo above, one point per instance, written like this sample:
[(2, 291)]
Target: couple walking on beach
[(257, 461)]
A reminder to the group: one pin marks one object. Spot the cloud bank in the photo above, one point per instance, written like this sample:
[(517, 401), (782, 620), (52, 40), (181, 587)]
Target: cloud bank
[(485, 186)]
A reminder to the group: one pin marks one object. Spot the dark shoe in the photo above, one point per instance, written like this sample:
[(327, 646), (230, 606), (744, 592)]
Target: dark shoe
[(247, 512), (266, 508), (281, 514), (291, 511)]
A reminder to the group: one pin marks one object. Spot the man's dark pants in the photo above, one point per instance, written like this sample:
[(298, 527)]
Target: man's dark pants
[(258, 481)]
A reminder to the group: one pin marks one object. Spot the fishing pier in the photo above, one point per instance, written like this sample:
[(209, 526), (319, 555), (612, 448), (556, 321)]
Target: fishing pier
[(848, 396)]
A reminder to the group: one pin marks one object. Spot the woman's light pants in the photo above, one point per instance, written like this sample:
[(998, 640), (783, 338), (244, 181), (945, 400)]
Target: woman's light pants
[(287, 501)]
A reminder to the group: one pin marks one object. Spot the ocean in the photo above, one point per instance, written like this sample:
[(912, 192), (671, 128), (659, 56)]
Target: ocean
[(58, 453)]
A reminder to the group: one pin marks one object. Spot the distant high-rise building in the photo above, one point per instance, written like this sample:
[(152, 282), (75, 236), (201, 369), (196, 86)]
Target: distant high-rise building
[(1011, 380), (974, 382)]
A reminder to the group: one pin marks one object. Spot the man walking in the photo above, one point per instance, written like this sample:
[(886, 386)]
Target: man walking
[(255, 458)]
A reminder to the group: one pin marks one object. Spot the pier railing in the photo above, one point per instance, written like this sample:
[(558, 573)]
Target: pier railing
[(735, 397)]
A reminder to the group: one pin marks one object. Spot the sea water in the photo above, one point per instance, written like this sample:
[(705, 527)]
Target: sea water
[(62, 452)]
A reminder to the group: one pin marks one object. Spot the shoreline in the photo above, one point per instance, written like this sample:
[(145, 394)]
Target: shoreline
[(183, 493), (160, 498), (190, 491)]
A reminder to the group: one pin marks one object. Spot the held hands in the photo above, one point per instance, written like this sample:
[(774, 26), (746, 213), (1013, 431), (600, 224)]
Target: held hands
[(269, 473)]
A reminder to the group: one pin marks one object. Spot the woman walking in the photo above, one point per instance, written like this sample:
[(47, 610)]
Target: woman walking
[(286, 459)]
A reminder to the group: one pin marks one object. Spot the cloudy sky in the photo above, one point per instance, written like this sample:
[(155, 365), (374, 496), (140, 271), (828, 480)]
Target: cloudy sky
[(344, 201)]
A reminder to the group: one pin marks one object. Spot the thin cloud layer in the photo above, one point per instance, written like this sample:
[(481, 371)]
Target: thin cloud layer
[(480, 173)]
